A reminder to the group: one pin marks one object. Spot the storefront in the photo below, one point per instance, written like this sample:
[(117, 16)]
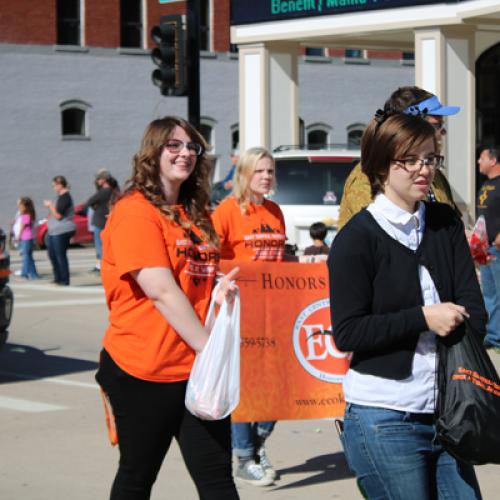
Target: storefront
[(452, 40)]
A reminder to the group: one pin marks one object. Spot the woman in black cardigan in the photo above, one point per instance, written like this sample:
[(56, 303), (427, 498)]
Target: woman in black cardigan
[(400, 274)]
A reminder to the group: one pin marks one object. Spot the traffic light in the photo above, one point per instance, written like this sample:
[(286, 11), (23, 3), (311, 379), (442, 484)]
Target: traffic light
[(169, 56)]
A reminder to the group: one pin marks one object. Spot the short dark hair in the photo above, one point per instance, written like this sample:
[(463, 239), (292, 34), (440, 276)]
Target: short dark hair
[(404, 97), (318, 231), (493, 151), (391, 137), (60, 179)]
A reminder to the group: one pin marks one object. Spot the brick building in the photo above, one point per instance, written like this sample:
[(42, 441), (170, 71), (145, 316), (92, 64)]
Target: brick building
[(76, 90)]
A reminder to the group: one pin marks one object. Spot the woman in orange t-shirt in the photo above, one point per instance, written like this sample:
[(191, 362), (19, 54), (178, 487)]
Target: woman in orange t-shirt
[(251, 228), (160, 257)]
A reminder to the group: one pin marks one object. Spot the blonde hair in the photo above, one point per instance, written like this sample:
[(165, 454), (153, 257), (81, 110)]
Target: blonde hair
[(245, 169)]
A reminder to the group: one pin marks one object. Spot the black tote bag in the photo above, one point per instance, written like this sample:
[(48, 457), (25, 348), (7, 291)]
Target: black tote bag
[(468, 413)]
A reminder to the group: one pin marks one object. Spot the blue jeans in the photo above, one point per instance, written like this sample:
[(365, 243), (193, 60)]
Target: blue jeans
[(98, 242), (58, 247), (28, 269), (248, 436), (395, 456), (490, 284)]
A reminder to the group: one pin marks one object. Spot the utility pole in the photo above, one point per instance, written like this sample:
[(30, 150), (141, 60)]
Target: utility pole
[(193, 61)]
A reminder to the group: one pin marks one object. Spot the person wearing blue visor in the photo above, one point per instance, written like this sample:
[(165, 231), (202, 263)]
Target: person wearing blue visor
[(431, 107), (414, 101)]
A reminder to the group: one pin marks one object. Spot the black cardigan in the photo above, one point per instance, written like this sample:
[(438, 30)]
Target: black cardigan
[(375, 294)]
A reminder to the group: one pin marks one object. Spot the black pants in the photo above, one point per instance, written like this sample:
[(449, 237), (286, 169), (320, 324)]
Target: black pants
[(148, 415)]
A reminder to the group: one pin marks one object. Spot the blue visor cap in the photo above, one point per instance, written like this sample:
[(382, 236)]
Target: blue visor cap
[(431, 106)]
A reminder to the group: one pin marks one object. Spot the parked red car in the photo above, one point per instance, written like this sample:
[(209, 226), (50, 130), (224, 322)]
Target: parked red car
[(81, 237)]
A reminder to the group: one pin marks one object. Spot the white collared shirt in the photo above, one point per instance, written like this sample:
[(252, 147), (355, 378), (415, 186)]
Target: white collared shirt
[(416, 393)]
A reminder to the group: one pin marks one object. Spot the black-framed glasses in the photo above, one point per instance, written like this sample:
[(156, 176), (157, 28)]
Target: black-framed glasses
[(175, 146), (414, 165)]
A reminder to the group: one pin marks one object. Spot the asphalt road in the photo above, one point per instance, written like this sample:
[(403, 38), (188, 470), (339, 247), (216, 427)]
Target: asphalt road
[(53, 438)]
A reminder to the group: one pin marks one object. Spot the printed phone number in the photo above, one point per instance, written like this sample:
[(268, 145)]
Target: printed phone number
[(259, 342)]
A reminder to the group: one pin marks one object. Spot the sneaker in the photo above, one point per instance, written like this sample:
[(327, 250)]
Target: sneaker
[(265, 463), (252, 473)]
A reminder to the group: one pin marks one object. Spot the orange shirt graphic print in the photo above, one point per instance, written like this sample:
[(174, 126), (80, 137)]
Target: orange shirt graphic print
[(258, 235)]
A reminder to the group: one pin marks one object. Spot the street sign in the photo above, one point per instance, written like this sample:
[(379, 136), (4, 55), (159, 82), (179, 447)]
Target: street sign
[(250, 11)]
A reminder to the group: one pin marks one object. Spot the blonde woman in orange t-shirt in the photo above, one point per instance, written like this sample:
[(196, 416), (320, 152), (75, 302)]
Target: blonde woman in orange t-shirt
[(252, 228), (160, 258)]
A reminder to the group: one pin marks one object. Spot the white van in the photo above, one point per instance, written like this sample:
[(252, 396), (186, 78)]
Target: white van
[(310, 184)]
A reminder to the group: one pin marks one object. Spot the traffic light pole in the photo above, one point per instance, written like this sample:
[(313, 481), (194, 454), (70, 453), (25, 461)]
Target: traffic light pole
[(193, 61)]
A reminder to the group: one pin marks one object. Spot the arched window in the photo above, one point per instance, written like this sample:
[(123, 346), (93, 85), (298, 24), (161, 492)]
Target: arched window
[(207, 126), (207, 130), (354, 134), (74, 121), (318, 135)]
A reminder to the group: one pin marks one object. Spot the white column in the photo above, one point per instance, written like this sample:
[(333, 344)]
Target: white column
[(444, 65), (268, 95)]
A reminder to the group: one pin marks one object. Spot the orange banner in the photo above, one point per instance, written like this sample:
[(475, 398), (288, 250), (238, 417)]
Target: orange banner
[(287, 372)]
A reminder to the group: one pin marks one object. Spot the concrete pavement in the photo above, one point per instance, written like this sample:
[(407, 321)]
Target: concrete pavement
[(53, 437)]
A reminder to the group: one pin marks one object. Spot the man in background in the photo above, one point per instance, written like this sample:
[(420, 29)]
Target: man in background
[(488, 205), (409, 100)]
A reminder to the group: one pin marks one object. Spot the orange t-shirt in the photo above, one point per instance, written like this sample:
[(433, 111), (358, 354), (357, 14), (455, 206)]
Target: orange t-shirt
[(257, 235), (138, 337)]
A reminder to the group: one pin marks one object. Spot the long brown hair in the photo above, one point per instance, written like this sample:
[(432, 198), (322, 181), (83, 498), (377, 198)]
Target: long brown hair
[(29, 207), (194, 192)]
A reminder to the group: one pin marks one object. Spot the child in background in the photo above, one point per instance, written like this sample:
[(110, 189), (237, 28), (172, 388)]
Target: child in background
[(27, 222), (318, 232)]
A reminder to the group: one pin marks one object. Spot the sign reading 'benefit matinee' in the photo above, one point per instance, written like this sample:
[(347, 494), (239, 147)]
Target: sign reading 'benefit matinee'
[(249, 11)]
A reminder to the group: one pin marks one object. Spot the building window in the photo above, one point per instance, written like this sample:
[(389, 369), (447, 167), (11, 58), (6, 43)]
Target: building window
[(68, 22), (354, 54), (207, 126), (354, 134), (318, 136), (408, 56), (74, 119), (235, 137), (315, 51), (205, 25), (131, 23)]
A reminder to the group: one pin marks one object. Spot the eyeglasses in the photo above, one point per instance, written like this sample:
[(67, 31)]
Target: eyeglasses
[(174, 146), (414, 165)]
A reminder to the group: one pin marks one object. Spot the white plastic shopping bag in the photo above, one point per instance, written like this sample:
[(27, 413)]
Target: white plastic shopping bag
[(213, 390)]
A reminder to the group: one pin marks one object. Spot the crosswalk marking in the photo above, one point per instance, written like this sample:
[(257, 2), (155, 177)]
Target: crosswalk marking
[(88, 290), (51, 380), (27, 405), (59, 303)]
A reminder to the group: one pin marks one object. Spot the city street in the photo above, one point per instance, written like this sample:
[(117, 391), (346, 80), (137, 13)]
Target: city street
[(54, 441)]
